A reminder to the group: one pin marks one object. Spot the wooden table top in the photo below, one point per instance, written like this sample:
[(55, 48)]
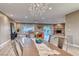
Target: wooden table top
[(31, 50)]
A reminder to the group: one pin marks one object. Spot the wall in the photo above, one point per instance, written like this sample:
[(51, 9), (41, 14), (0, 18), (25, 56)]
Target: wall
[(45, 21), (4, 28), (14, 23), (72, 28)]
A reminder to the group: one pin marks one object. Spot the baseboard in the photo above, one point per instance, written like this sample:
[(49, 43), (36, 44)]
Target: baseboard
[(3, 44), (74, 45)]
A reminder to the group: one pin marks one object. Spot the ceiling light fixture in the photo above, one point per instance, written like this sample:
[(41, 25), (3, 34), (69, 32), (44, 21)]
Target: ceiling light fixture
[(26, 16), (38, 9), (11, 15), (43, 18), (50, 8)]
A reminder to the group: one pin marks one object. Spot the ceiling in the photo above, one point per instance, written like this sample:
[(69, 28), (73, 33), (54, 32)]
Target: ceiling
[(54, 12)]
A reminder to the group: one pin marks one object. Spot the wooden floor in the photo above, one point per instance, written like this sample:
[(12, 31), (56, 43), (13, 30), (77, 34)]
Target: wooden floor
[(53, 47), (31, 50), (7, 50)]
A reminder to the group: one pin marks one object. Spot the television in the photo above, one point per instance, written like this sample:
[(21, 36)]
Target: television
[(58, 31)]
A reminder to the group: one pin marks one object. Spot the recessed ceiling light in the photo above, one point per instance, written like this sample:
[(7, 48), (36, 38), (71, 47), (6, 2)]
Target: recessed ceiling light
[(43, 18), (50, 8), (11, 15), (26, 16), (38, 5)]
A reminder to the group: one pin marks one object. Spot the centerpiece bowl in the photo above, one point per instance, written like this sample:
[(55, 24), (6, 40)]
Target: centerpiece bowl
[(39, 40)]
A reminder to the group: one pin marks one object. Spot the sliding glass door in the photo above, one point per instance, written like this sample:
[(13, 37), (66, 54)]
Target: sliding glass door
[(27, 28), (47, 32)]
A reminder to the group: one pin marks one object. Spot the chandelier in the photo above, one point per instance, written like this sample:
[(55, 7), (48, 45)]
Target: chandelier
[(38, 9)]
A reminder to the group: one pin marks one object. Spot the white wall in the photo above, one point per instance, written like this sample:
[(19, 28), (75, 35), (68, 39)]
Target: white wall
[(46, 21), (72, 27), (4, 28)]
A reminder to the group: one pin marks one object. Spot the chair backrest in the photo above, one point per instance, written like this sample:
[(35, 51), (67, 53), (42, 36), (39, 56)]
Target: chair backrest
[(54, 40), (69, 39), (18, 48)]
